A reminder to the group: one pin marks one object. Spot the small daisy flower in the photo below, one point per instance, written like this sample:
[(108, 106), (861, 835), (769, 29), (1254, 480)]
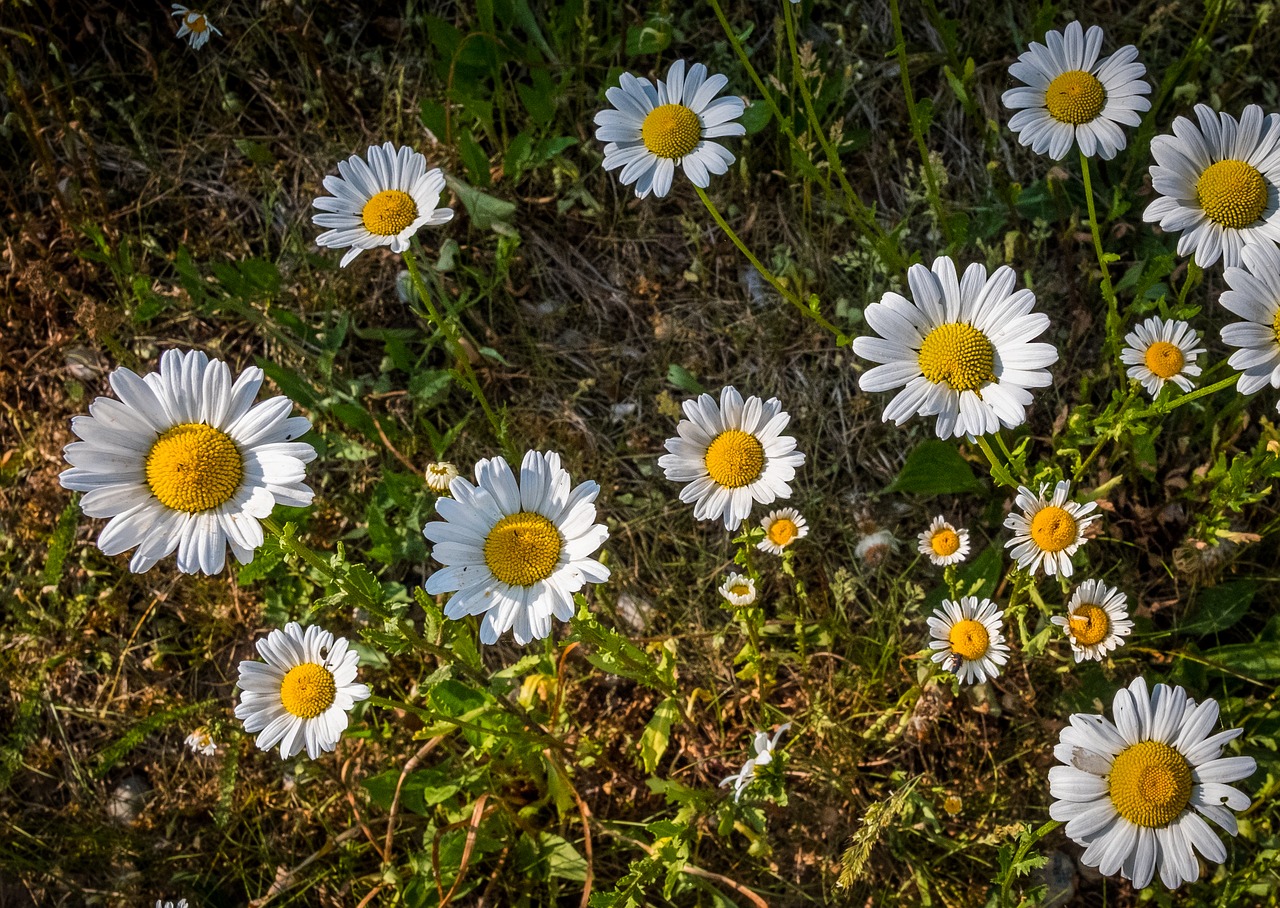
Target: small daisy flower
[(739, 589), (967, 639), (516, 551), (1096, 621), (300, 696), (383, 202), (161, 903), (943, 543), (1049, 530), (1255, 297), (201, 742), (1217, 183), (763, 747), (731, 455), (652, 129), (185, 460), (1162, 350), (781, 528), (1136, 792), (195, 26), (961, 347), (439, 475)]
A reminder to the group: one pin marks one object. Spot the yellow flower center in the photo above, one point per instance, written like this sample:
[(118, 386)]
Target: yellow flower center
[(969, 639), (740, 589), (1075, 97), (735, 459), (308, 690), (1275, 326), (523, 548), (1165, 359), (193, 467), (944, 542), (671, 131), (1150, 784), (389, 213), (1089, 624), (782, 531), (958, 354), (1232, 193), (952, 805), (1053, 528)]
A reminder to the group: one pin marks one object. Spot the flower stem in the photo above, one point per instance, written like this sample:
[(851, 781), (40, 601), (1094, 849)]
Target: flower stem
[(999, 471), (309, 555), (926, 162), (1161, 409), (1108, 292)]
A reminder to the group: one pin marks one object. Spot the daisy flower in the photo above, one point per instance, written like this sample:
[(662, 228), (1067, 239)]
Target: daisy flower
[(1096, 621), (943, 543), (651, 129), (781, 528), (961, 347), (516, 551), (195, 27), (383, 202), (739, 590), (1217, 183), (1049, 530), (1136, 792), (300, 696), (763, 747), (161, 903), (201, 742), (1255, 297), (185, 460), (1162, 350), (967, 639), (439, 475), (731, 455)]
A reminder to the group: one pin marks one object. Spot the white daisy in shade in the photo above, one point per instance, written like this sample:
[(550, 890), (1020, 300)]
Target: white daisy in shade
[(943, 543), (516, 551), (439, 475), (1073, 98), (1136, 792), (1096, 621), (383, 202), (300, 696), (201, 742), (1255, 297), (763, 747), (185, 460), (161, 903), (961, 347), (739, 590), (1049, 530), (731, 455), (782, 527), (1161, 350), (194, 26), (967, 640), (1217, 183), (652, 128)]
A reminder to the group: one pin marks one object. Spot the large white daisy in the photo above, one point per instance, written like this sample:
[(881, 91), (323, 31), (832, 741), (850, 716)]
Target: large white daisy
[(300, 696), (516, 552), (185, 460), (961, 347), (195, 26), (943, 543), (731, 455), (1161, 350), (967, 640), (1072, 97), (383, 202), (651, 129), (1217, 183), (1136, 793), (1096, 621), (1049, 530), (1255, 297)]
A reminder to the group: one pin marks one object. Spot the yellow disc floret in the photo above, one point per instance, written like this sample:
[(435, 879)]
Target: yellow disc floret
[(523, 548), (740, 589), (1275, 326), (944, 542), (1232, 193), (1053, 528), (735, 459), (1165, 359), (308, 690), (671, 131), (969, 639), (196, 22), (1090, 624), (1150, 784), (389, 213), (958, 354), (193, 467), (1075, 97), (782, 531)]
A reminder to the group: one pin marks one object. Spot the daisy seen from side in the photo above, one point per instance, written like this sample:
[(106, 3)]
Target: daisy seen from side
[(943, 543), (201, 742), (1162, 350), (739, 590), (194, 26), (762, 748), (782, 527), (1048, 531), (1254, 296), (967, 640), (1097, 620), (440, 475)]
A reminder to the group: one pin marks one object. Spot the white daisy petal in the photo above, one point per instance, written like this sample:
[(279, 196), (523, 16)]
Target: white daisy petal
[(1096, 621), (1048, 531)]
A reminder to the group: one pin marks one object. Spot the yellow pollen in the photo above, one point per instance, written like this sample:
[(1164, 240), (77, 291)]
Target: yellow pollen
[(389, 213), (193, 467), (196, 22), (1232, 193), (671, 131), (1150, 784), (308, 690), (1165, 359), (782, 531), (958, 354), (523, 548), (1053, 529), (944, 543), (740, 589), (735, 459), (1275, 326), (1089, 624), (1075, 97), (969, 639), (952, 805)]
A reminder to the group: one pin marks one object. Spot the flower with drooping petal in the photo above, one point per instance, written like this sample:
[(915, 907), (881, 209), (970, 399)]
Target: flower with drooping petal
[(195, 26), (782, 527), (1255, 297), (1049, 530), (1161, 350), (201, 742), (439, 475), (1096, 621), (967, 640), (739, 590), (763, 747), (943, 543)]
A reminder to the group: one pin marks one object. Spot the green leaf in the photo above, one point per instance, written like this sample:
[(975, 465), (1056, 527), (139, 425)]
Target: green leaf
[(935, 468), (978, 578), (651, 38), (657, 734), (683, 379), (1219, 607), (756, 117), (484, 210), (1258, 661)]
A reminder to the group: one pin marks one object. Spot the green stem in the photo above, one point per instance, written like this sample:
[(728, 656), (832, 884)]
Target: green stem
[(299, 548), (999, 471), (1167, 406), (1108, 292), (930, 179)]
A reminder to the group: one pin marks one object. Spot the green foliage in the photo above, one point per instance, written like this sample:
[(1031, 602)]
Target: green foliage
[(935, 468)]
